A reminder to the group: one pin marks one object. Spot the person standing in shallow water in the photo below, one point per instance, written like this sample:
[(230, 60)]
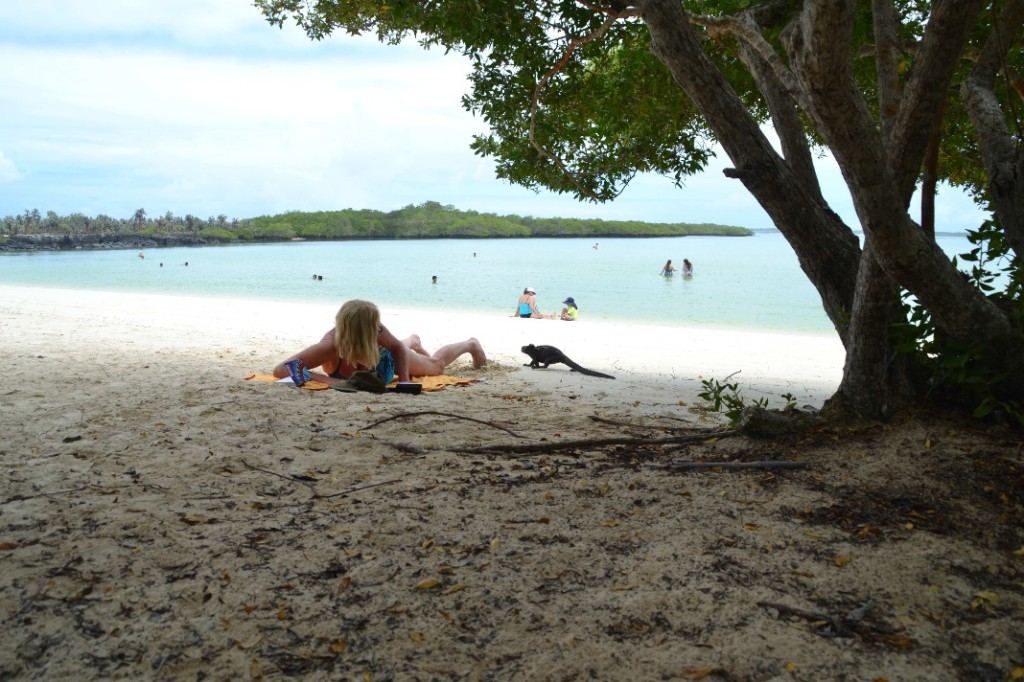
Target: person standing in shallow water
[(668, 269), (687, 268)]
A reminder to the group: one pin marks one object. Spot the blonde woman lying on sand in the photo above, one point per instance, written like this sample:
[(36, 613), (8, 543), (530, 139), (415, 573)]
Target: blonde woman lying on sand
[(360, 342)]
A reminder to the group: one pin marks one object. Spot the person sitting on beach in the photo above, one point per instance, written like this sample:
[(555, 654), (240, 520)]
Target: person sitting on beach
[(360, 342), (527, 306), (668, 269), (687, 268), (569, 313)]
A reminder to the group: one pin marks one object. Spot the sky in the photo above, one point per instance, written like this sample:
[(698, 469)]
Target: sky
[(201, 107)]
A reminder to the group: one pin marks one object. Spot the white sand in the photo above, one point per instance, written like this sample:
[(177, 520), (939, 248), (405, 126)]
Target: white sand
[(646, 359)]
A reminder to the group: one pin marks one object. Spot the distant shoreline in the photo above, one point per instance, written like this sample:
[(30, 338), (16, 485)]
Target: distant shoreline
[(22, 243)]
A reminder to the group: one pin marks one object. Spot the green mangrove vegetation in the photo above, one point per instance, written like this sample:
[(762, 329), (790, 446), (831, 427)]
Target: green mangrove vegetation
[(429, 220)]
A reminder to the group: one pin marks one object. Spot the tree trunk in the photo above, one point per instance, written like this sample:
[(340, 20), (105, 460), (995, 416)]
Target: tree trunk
[(875, 382), (876, 379), (858, 292), (878, 179), (827, 250)]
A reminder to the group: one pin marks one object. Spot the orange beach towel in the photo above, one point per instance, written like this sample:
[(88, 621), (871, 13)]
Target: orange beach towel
[(429, 383)]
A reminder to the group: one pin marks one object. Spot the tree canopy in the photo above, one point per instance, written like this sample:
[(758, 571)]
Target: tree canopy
[(581, 96)]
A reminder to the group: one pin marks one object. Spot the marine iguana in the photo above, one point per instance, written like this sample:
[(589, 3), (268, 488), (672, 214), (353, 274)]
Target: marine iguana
[(549, 355)]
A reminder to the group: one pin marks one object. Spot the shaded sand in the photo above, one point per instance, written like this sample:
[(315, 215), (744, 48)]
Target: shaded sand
[(162, 518)]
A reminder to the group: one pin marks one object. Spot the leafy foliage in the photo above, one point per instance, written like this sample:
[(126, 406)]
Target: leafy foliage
[(955, 369), (725, 397)]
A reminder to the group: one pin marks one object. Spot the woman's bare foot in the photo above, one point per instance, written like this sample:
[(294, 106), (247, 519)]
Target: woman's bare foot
[(476, 351), (413, 343)]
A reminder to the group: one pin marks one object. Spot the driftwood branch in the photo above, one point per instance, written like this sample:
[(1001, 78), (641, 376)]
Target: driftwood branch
[(630, 425), (356, 489), (533, 448), (847, 624), (683, 466), (412, 415)]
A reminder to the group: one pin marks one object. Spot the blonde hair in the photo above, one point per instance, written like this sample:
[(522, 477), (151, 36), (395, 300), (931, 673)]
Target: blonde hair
[(355, 333)]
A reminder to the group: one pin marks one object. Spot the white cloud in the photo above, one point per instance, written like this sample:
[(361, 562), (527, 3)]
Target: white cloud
[(200, 106), (8, 172)]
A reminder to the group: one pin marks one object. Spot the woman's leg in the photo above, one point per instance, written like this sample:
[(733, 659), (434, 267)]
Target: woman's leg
[(434, 365), (413, 343)]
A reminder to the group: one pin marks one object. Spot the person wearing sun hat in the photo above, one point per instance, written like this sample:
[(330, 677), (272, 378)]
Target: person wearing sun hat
[(569, 313), (527, 306)]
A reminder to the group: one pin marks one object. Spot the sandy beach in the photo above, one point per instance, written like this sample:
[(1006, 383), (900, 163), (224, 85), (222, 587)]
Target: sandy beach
[(163, 518)]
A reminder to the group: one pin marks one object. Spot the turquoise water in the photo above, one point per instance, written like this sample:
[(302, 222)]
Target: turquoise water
[(739, 282)]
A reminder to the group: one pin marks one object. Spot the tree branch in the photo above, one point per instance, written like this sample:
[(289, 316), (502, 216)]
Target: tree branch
[(684, 466), (542, 84), (534, 448), (999, 150), (946, 33)]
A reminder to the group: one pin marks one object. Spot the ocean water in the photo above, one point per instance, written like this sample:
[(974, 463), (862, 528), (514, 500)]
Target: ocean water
[(738, 282)]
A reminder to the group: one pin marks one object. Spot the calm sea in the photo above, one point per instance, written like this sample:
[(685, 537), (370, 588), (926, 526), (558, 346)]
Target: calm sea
[(739, 282)]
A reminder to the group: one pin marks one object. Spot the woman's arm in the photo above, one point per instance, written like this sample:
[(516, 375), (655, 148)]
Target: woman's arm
[(312, 357), (398, 350)]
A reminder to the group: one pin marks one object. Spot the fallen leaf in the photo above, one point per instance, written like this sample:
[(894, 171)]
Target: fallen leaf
[(841, 560), (697, 673), (456, 588), (416, 636), (624, 588), (751, 526), (345, 582), (5, 546), (282, 614), (495, 543), (897, 641), (256, 640), (986, 599), (790, 667), (338, 646), (427, 584), (610, 523)]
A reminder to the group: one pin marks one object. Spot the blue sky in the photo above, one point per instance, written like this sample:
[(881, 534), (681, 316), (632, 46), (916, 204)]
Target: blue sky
[(201, 107)]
